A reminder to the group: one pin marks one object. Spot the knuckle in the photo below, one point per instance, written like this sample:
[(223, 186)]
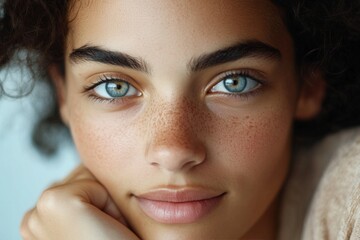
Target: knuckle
[(33, 224), (49, 200)]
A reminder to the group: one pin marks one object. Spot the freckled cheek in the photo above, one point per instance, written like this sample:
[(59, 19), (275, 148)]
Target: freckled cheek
[(257, 148), (107, 147)]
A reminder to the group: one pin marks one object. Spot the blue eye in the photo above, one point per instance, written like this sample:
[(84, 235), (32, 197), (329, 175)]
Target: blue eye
[(111, 89), (236, 83)]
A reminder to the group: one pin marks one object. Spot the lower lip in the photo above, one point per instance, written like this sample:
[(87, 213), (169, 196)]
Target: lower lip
[(177, 212)]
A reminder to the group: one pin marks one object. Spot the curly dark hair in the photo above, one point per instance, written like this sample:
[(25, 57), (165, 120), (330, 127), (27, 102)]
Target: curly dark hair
[(326, 35)]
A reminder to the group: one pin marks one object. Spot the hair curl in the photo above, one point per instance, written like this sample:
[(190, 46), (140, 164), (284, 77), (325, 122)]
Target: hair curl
[(326, 35), (38, 27)]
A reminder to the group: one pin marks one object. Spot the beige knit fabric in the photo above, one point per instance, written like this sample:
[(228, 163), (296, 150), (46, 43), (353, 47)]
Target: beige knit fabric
[(321, 200)]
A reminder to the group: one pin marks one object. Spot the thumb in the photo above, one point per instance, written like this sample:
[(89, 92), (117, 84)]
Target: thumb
[(95, 194), (111, 209), (104, 203)]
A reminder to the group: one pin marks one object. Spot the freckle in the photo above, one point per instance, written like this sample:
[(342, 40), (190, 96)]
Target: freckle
[(175, 121)]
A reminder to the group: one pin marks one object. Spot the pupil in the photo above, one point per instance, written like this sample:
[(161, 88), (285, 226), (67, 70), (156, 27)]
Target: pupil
[(237, 84), (117, 89)]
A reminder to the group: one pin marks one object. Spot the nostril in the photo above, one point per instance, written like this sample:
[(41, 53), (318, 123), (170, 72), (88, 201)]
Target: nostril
[(190, 164), (175, 158), (155, 164)]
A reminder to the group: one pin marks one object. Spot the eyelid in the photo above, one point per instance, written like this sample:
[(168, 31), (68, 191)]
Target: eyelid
[(108, 77), (255, 75)]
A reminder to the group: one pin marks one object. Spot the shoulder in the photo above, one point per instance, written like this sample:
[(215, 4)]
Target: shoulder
[(334, 212), (321, 199)]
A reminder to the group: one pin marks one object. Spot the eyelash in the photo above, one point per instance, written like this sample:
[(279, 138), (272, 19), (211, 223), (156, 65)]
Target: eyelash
[(104, 79), (247, 73), (243, 72)]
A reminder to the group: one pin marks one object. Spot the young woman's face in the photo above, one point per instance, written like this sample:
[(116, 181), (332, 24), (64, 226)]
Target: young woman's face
[(183, 110)]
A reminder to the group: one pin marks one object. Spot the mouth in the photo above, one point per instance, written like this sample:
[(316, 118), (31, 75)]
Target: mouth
[(171, 206)]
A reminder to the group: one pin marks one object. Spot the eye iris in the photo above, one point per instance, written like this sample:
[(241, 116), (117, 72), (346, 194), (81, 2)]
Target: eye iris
[(117, 89), (235, 84)]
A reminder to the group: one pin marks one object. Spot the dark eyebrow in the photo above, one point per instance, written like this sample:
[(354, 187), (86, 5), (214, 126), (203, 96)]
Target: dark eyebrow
[(252, 48), (97, 54)]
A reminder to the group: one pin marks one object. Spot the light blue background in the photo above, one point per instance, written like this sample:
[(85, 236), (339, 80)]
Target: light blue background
[(24, 172)]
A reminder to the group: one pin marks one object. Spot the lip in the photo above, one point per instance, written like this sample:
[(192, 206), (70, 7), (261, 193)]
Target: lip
[(178, 206)]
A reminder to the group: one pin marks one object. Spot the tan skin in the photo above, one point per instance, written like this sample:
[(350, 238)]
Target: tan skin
[(178, 127)]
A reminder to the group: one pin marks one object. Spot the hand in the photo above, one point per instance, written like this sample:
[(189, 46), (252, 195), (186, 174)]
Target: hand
[(77, 208)]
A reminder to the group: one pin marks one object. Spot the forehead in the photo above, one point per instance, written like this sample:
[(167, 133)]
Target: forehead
[(135, 25)]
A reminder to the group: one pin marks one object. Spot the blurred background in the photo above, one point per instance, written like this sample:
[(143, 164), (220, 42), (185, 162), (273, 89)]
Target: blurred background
[(24, 171)]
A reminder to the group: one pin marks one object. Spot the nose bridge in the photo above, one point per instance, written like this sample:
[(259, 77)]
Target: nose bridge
[(173, 142), (174, 123)]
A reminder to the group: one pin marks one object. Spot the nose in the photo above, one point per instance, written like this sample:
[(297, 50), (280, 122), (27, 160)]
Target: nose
[(174, 143)]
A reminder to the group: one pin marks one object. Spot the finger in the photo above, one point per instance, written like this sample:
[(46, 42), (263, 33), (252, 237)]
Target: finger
[(99, 197), (111, 209), (82, 173), (85, 197), (29, 227), (81, 191), (91, 196), (24, 227), (109, 206), (88, 192)]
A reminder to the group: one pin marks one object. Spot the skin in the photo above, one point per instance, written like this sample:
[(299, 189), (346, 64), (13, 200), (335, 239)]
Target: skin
[(177, 132)]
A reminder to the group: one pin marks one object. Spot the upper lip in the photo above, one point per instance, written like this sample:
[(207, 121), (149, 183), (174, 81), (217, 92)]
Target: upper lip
[(180, 195)]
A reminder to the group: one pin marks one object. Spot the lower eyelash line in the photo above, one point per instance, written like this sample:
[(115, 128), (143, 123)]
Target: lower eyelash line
[(244, 96), (97, 99)]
